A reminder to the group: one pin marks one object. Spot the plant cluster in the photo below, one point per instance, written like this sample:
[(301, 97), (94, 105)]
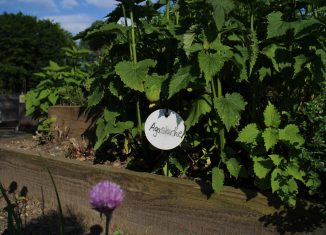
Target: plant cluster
[(220, 65), (66, 84)]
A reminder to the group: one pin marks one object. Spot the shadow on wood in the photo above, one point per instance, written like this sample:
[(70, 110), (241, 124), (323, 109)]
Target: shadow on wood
[(155, 204), (304, 218)]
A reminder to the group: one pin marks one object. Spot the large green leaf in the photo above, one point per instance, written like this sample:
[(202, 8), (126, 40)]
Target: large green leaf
[(101, 133), (188, 39), (300, 60), (44, 93), (272, 117), (212, 63), (107, 28), (110, 116), (53, 66), (220, 9), (120, 127), (217, 179), (104, 129), (270, 51), (180, 162), (248, 134), (291, 134), (262, 167), (270, 136), (180, 80), (294, 170), (96, 97), (233, 166), (153, 86), (263, 73), (276, 159), (306, 27), (241, 57), (199, 108), (276, 177), (44, 106), (31, 102), (53, 97), (276, 26), (229, 108), (134, 75)]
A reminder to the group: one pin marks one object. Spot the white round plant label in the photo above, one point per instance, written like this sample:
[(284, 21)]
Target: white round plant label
[(164, 129)]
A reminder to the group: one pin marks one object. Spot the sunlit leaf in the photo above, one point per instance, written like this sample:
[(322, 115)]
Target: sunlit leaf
[(291, 134), (180, 80), (217, 179), (233, 166), (272, 117), (270, 136), (229, 109), (262, 166), (248, 134), (133, 75), (96, 97), (199, 108)]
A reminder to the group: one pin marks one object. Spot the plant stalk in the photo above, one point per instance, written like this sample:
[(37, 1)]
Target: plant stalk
[(133, 37), (140, 132), (221, 129), (61, 224), (107, 223), (168, 10), (128, 33), (254, 81)]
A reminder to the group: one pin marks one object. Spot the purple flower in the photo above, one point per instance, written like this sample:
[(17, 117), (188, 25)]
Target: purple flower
[(105, 196)]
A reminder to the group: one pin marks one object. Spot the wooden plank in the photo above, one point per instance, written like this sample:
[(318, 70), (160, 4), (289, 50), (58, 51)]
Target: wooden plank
[(153, 204), (74, 120)]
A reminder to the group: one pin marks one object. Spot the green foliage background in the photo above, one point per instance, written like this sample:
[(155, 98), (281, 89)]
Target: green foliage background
[(248, 77)]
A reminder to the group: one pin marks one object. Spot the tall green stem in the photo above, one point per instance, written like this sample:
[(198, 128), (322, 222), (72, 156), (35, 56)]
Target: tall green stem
[(128, 33), (135, 62), (168, 10), (221, 129), (254, 81), (133, 43)]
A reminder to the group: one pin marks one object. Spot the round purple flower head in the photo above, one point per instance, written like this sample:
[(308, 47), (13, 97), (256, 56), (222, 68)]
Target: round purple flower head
[(105, 196)]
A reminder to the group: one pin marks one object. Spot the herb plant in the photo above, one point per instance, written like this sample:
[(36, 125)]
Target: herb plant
[(220, 65)]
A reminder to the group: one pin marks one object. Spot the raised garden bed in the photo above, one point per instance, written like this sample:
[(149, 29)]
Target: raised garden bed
[(155, 204), (74, 121)]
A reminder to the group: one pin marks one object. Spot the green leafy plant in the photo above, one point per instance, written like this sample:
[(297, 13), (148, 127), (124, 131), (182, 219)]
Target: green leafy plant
[(278, 155), (216, 63), (64, 85), (60, 85)]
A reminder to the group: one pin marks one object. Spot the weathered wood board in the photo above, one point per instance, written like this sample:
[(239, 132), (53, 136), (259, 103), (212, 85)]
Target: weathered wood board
[(155, 204), (74, 121)]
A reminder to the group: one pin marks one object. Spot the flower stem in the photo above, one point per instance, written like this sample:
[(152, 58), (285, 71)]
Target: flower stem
[(108, 217), (107, 222)]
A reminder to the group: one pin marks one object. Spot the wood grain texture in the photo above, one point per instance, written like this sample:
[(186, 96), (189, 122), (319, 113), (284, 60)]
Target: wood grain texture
[(153, 204), (79, 120)]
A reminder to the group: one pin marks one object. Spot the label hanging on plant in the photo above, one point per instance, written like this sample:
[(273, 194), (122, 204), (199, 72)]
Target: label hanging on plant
[(164, 129)]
